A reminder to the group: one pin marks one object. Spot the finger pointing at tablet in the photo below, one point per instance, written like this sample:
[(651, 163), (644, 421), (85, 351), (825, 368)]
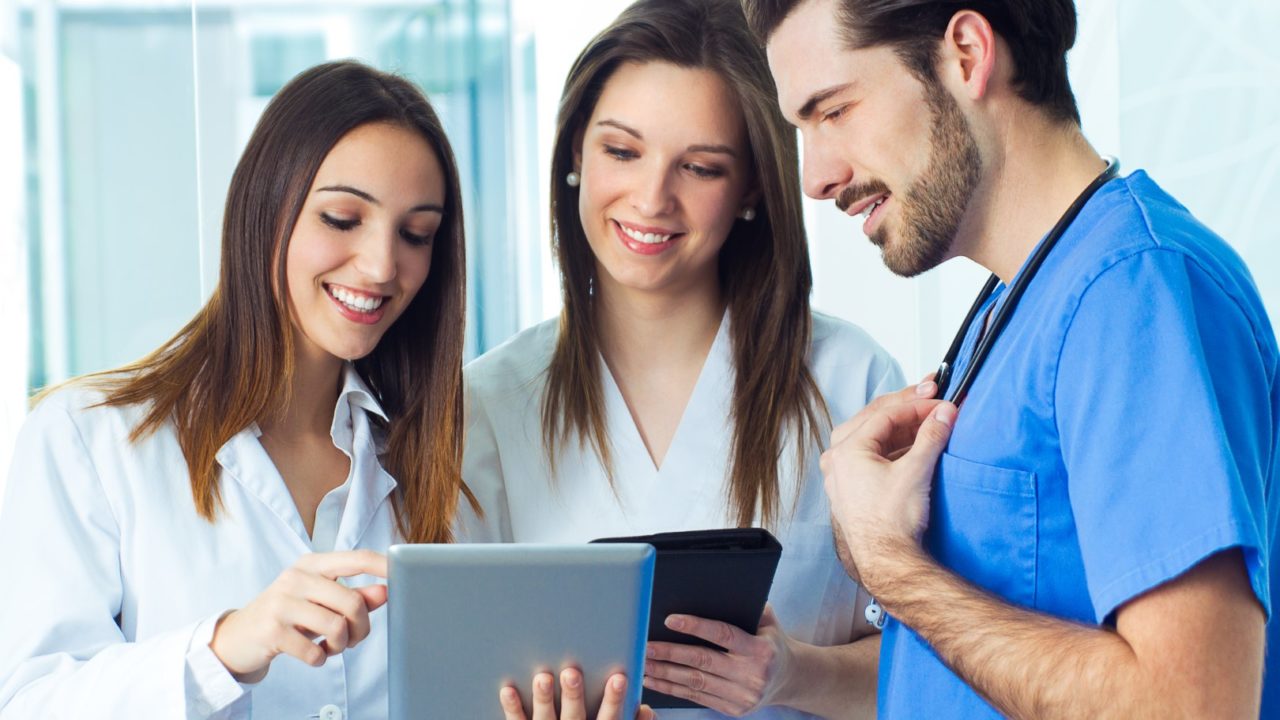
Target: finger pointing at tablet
[(305, 602)]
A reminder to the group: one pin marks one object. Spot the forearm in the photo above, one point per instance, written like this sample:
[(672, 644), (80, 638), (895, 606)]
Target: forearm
[(1026, 664), (153, 678), (834, 682)]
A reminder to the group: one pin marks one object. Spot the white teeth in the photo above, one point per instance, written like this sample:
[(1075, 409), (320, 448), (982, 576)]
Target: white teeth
[(646, 238), (358, 303), (866, 213)]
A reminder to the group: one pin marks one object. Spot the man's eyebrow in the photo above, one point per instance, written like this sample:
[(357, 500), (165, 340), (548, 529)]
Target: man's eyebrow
[(425, 207), (806, 110)]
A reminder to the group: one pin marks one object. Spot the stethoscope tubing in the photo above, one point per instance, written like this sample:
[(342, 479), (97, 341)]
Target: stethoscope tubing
[(1016, 290)]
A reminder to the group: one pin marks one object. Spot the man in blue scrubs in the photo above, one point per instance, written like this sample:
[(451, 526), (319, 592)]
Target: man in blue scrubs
[(1091, 534)]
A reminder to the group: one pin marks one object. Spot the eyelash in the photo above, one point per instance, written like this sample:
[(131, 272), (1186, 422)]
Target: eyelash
[(345, 225), (700, 171), (704, 172), (338, 223), (836, 114), (618, 153)]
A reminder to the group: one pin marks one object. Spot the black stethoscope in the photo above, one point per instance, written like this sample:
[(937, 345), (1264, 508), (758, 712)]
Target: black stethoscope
[(1015, 292)]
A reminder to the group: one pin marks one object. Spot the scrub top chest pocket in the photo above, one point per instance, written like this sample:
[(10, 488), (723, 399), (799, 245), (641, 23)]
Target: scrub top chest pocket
[(983, 526)]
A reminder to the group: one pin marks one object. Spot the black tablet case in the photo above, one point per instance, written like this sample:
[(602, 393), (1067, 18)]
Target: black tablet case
[(717, 574)]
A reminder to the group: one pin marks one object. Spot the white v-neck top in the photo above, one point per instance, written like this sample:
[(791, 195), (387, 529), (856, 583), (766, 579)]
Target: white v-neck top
[(505, 465), (115, 582)]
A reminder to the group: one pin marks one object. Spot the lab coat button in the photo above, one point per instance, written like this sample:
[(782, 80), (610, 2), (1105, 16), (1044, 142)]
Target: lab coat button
[(330, 712)]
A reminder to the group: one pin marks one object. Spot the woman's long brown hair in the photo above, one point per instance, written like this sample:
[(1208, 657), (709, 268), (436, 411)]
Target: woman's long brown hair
[(229, 366), (763, 266)]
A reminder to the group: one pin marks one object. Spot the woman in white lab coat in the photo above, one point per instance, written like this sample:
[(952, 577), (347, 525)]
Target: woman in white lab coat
[(176, 528), (686, 384)]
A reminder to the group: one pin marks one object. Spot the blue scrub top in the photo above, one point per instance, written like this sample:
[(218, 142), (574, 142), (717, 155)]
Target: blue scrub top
[(1124, 428)]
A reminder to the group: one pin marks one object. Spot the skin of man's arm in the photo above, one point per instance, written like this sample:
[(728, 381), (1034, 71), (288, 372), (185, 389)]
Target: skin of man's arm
[(1192, 647)]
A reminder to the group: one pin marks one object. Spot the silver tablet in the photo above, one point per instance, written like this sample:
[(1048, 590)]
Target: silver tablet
[(467, 619)]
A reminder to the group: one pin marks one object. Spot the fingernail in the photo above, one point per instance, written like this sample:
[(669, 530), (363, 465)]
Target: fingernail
[(927, 388), (544, 682), (648, 651), (618, 683), (571, 680), (675, 622), (945, 414)]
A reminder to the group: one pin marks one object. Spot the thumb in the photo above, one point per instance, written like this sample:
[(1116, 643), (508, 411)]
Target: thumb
[(375, 596), (931, 439), (768, 618)]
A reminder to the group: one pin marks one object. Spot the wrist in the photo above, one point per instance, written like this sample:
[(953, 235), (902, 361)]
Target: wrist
[(219, 645), (799, 669), (889, 565)]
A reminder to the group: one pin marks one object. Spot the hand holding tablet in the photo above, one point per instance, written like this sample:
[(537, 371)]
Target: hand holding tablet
[(572, 699)]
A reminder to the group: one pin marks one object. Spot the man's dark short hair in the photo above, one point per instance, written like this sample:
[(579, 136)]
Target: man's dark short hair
[(1038, 33)]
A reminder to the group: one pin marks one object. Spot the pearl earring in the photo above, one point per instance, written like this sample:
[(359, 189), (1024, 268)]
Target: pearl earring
[(748, 214), (573, 179)]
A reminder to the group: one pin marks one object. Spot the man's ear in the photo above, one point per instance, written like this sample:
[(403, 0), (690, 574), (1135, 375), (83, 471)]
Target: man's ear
[(968, 55)]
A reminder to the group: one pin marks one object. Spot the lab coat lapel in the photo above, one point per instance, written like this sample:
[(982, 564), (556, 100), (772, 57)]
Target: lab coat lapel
[(370, 484), (245, 460)]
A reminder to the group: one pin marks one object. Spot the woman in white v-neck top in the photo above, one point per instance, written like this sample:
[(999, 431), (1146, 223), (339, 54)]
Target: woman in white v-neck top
[(687, 384)]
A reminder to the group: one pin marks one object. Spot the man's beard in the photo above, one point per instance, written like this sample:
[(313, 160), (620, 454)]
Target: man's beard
[(933, 205)]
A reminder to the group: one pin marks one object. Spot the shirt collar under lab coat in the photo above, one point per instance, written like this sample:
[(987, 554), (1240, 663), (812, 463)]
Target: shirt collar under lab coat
[(354, 433)]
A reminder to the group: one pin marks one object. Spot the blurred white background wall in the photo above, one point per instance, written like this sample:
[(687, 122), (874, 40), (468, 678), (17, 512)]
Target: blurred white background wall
[(121, 120)]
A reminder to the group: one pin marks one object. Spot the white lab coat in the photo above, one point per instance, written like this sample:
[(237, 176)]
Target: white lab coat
[(114, 582), (505, 466)]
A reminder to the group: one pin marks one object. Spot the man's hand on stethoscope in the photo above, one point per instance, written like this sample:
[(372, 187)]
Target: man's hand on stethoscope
[(879, 470)]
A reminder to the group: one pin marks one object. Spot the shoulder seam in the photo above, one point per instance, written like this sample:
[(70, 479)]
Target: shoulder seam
[(1122, 258), (97, 477)]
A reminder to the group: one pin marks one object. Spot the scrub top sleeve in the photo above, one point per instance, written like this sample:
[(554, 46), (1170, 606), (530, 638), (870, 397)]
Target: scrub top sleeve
[(62, 654), (1164, 431), (482, 472)]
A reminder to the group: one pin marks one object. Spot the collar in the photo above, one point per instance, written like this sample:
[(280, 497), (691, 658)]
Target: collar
[(244, 459), (355, 394)]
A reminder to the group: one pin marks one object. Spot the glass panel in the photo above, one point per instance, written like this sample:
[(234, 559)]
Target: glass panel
[(1199, 102), (134, 125), (458, 51)]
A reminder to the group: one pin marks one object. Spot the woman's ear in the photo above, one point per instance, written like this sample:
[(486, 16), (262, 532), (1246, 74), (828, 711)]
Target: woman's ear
[(751, 200), (578, 136)]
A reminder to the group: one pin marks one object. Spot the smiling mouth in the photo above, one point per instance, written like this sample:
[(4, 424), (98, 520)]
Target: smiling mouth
[(356, 302), (648, 238)]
